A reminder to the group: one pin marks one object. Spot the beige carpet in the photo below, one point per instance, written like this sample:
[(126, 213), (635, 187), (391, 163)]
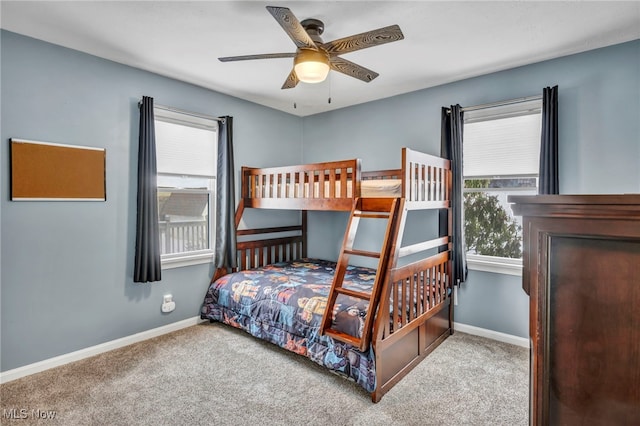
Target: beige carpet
[(211, 374)]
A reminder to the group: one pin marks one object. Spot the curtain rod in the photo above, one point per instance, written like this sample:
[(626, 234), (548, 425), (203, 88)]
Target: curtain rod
[(500, 103), (181, 111)]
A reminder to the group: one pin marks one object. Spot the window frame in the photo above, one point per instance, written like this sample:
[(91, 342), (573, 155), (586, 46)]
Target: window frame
[(183, 118), (501, 110)]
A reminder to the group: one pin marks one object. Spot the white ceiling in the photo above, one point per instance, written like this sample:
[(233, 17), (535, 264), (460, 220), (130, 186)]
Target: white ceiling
[(444, 41)]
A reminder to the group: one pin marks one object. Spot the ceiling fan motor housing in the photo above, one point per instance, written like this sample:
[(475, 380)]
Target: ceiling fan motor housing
[(313, 27)]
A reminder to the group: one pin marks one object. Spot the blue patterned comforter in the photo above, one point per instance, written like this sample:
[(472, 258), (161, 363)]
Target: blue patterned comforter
[(283, 303)]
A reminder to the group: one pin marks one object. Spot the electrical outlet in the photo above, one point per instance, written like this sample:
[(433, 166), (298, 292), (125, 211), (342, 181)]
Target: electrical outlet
[(168, 305)]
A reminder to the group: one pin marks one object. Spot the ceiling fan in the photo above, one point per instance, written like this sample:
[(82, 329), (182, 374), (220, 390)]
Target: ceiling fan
[(313, 58)]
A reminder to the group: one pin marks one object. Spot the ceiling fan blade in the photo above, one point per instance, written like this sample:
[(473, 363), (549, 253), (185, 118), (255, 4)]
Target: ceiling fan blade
[(364, 40), (291, 82), (261, 56), (292, 27), (351, 69)]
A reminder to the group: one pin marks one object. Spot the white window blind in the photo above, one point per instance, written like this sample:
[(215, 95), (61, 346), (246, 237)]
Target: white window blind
[(502, 147), (184, 149)]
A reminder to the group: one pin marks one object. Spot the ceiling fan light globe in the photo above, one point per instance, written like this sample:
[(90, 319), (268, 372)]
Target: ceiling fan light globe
[(312, 72), (311, 66)]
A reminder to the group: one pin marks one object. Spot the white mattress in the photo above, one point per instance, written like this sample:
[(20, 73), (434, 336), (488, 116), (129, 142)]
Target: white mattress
[(368, 188), (381, 188)]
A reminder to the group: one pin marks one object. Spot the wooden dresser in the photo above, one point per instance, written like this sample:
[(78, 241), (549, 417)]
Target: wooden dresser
[(582, 273)]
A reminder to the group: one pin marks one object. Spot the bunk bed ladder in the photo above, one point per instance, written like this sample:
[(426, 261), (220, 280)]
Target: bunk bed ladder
[(372, 208)]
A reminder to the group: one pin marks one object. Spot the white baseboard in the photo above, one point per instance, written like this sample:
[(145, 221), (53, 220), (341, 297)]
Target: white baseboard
[(46, 364), (490, 334)]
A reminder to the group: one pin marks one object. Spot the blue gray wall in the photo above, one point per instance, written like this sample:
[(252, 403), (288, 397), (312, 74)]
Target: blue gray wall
[(599, 111), (67, 266), (66, 276)]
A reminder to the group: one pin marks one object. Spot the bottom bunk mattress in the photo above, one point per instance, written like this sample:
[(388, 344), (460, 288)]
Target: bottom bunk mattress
[(283, 303)]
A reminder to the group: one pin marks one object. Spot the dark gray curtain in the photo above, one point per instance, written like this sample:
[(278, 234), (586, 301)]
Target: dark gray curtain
[(225, 258), (147, 265), (451, 149), (549, 181)]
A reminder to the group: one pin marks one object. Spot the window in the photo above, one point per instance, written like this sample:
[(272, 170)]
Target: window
[(186, 148), (501, 157)]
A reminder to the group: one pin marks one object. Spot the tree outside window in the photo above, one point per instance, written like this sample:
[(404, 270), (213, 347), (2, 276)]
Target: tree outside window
[(489, 229)]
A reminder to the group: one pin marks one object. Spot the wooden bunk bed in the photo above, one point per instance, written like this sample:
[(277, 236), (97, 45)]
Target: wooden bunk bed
[(402, 310)]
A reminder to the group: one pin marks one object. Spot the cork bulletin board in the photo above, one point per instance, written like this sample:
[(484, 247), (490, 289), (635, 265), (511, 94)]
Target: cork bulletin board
[(42, 171)]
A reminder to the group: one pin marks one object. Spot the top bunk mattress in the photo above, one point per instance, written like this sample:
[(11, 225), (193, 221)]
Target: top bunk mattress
[(371, 188), (381, 188)]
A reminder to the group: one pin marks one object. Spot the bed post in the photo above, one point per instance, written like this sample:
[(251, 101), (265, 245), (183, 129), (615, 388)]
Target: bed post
[(304, 233), (239, 213)]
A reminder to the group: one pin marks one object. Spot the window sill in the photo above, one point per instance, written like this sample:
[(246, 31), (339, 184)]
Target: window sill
[(497, 265), (194, 259)]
